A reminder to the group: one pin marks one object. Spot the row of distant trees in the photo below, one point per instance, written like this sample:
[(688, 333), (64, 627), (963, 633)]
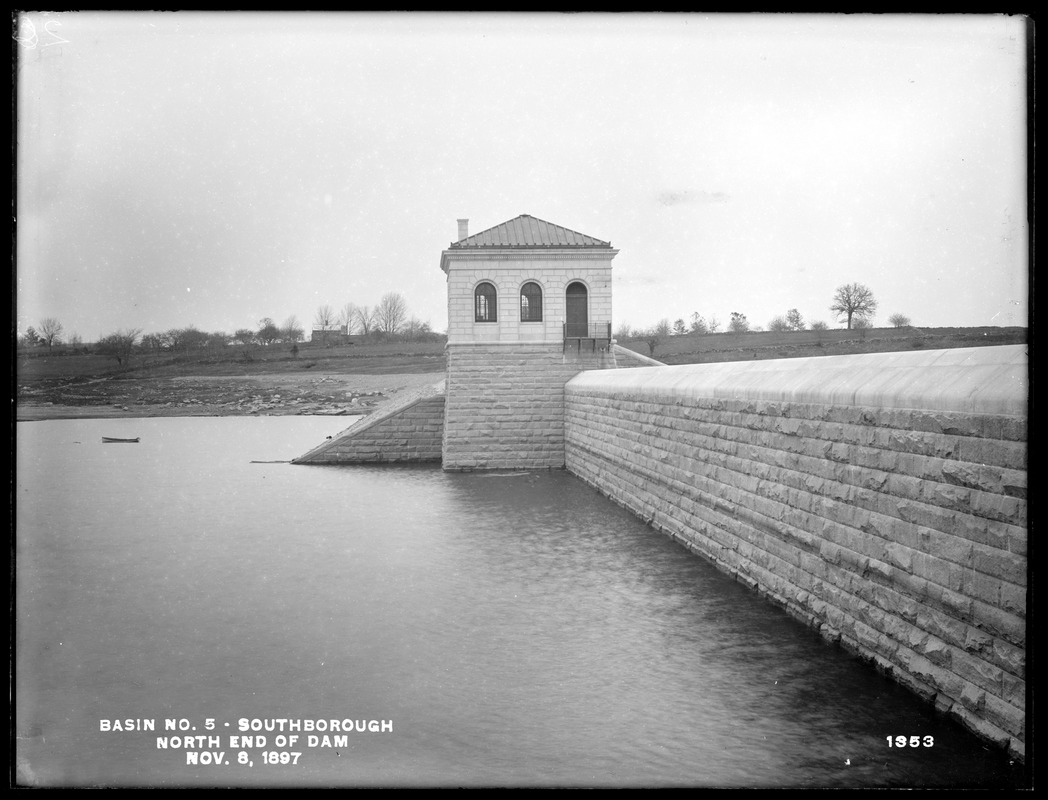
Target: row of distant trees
[(190, 341), (389, 317), (853, 303), (191, 338), (125, 342), (48, 333)]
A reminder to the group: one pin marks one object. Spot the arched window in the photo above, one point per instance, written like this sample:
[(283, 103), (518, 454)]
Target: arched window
[(531, 302), (484, 303)]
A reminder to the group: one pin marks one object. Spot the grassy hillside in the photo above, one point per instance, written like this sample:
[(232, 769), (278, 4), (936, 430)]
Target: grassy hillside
[(389, 358), (697, 349), (238, 360)]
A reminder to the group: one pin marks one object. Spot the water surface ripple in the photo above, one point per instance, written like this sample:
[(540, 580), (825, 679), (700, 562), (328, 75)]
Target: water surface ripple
[(518, 629)]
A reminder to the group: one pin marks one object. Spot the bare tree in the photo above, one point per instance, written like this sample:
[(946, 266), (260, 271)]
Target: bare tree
[(187, 339), (268, 332), (793, 321), (156, 342), (623, 332), (415, 329), (819, 325), (217, 340), (50, 331), (679, 328), (119, 345), (654, 336), (738, 323), (714, 325), (854, 300), (348, 317), (899, 321), (244, 335), (291, 331), (698, 324), (365, 317), (325, 318), (391, 312), (862, 325)]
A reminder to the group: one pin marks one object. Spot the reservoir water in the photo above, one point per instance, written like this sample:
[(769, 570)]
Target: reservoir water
[(512, 629)]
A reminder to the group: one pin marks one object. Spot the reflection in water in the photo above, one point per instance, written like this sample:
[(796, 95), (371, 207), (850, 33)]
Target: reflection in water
[(518, 629)]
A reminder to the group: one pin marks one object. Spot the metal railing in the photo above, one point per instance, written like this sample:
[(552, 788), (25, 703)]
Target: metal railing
[(583, 330)]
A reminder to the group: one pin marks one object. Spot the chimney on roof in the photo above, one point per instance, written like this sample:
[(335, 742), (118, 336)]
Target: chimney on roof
[(463, 229)]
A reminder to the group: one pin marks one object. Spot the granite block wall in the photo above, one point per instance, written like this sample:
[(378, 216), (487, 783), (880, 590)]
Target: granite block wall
[(409, 430), (859, 493), (505, 404)]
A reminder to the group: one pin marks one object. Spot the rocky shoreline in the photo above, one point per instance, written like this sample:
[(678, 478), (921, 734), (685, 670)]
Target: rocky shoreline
[(257, 395)]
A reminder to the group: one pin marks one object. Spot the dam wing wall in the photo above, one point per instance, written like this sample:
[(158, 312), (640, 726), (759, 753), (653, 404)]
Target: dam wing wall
[(407, 428)]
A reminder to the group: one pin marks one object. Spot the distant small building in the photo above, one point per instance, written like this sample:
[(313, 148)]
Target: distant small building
[(329, 335)]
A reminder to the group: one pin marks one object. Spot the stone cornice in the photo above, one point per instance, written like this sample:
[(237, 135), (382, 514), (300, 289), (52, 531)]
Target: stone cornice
[(597, 254), (536, 344)]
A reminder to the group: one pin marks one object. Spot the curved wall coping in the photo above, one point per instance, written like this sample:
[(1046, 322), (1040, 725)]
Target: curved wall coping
[(633, 355), (990, 380)]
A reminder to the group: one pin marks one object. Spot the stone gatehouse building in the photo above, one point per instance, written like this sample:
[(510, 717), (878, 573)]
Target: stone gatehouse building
[(529, 306)]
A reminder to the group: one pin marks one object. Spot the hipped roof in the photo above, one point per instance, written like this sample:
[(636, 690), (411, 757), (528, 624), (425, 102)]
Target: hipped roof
[(528, 231)]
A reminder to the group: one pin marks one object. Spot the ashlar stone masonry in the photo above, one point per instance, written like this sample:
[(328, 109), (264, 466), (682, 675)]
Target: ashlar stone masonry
[(881, 499)]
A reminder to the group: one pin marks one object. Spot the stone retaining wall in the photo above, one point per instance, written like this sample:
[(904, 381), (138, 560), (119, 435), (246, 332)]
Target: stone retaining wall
[(505, 403), (882, 499), (409, 428)]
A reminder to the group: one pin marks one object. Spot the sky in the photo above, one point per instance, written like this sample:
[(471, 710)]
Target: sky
[(212, 169)]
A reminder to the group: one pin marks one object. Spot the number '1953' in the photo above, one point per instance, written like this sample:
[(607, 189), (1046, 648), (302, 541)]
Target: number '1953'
[(910, 741)]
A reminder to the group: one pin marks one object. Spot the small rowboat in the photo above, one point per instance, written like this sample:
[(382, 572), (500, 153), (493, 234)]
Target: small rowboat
[(111, 440)]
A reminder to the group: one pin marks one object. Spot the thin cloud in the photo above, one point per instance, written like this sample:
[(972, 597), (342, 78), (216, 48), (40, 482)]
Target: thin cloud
[(690, 198)]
